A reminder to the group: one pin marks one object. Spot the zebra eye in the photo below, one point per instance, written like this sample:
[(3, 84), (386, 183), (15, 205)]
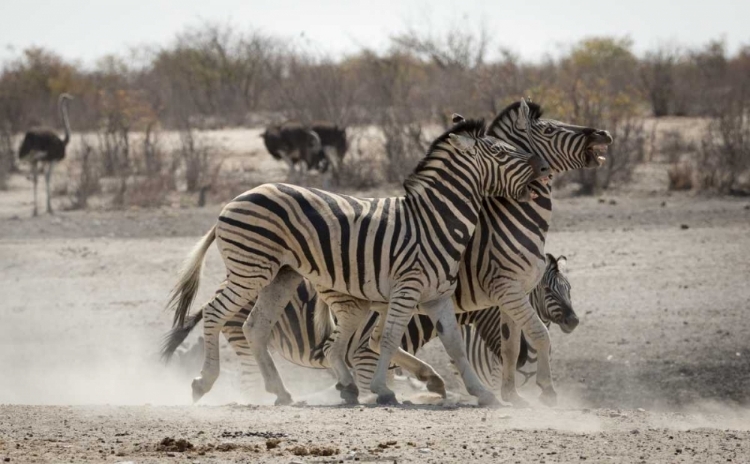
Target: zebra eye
[(548, 130)]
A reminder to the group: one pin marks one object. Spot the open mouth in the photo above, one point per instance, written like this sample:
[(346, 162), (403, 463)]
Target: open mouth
[(596, 154), (542, 180), (596, 151)]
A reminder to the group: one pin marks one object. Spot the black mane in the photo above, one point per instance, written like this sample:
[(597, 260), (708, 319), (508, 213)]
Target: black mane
[(474, 126), (535, 111)]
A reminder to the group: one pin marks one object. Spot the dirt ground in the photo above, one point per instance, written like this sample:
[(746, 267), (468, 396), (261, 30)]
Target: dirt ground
[(657, 371)]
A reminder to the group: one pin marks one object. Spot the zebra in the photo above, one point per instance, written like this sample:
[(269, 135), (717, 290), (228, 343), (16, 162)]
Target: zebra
[(506, 260), (407, 250), (484, 333), (509, 242), (296, 337)]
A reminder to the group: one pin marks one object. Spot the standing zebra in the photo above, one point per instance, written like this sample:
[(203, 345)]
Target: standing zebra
[(505, 261), (42, 145), (298, 340), (506, 251), (407, 251)]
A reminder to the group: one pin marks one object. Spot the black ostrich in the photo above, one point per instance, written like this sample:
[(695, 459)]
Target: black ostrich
[(42, 145)]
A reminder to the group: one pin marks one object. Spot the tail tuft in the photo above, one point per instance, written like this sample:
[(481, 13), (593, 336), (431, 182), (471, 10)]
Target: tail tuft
[(175, 337)]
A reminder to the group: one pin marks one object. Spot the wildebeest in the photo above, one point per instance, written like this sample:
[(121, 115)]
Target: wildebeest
[(321, 145), (334, 145), (293, 143)]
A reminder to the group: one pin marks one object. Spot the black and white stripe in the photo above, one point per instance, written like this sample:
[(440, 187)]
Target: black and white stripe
[(400, 251)]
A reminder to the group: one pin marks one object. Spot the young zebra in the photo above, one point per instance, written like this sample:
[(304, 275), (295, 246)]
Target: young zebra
[(406, 251), (298, 340), (485, 333)]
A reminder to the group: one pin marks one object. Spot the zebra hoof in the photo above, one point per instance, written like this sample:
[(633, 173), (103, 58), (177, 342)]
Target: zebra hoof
[(549, 397), (436, 385), (283, 401), (488, 400), (387, 399), (349, 393), (198, 390)]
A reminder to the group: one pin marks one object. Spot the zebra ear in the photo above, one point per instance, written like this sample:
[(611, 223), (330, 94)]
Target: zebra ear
[(524, 116), (562, 263), (456, 118), (461, 142)]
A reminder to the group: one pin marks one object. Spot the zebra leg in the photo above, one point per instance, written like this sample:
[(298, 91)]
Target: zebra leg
[(420, 369), (235, 336), (47, 178), (526, 319), (509, 349), (349, 312), (402, 306), (258, 329), (442, 313), (223, 306)]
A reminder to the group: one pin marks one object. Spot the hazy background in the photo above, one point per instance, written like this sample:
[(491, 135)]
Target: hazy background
[(86, 30)]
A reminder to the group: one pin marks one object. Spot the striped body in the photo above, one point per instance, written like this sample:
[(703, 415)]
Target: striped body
[(297, 339), (505, 261), (400, 251)]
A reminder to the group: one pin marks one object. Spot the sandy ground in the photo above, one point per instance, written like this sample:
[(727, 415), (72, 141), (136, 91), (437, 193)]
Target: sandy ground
[(658, 370)]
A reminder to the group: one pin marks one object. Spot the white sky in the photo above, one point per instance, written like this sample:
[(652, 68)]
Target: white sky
[(87, 29)]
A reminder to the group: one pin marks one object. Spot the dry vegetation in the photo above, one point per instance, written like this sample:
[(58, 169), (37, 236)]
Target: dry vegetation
[(216, 76)]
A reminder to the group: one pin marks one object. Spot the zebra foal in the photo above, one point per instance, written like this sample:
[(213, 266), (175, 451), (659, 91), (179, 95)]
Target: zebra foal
[(405, 250)]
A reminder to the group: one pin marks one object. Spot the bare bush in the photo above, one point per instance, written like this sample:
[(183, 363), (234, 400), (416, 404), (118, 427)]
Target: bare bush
[(658, 77), (680, 176), (363, 166), (84, 174), (673, 146), (725, 150), (405, 144), (7, 156), (194, 155)]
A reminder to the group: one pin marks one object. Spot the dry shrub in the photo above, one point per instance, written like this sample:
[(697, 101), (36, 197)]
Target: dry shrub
[(149, 192), (193, 153), (361, 168), (680, 176), (84, 175), (7, 156), (673, 146), (724, 156), (405, 144)]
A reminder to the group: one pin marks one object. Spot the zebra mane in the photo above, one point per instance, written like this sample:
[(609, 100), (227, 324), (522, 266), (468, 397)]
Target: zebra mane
[(535, 111), (476, 129)]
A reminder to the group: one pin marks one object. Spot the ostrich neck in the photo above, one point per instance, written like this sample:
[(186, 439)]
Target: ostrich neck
[(65, 121)]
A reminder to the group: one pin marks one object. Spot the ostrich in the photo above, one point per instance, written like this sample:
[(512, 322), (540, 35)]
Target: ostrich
[(42, 145)]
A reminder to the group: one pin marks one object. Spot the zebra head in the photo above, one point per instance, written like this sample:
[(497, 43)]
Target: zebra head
[(507, 171), (564, 146), (555, 296)]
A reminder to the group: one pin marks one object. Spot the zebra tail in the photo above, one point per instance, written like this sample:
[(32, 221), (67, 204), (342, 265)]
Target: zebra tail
[(184, 292), (174, 338), (324, 324)]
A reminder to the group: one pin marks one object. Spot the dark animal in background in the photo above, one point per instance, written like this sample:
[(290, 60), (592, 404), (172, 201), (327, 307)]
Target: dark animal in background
[(320, 146), (293, 143), (42, 145), (334, 145)]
